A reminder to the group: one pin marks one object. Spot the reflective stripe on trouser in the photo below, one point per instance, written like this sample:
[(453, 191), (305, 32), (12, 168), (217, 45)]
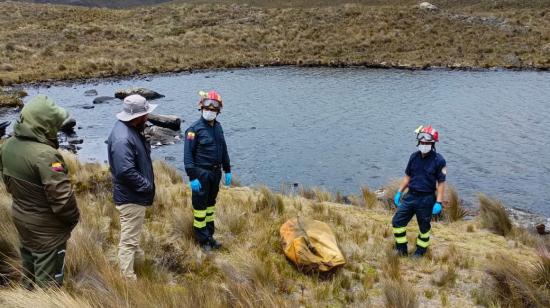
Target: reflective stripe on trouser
[(400, 235), (199, 220), (210, 214), (203, 204), (423, 240), (412, 205)]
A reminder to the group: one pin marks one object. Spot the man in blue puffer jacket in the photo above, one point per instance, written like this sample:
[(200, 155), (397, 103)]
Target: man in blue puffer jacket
[(133, 178)]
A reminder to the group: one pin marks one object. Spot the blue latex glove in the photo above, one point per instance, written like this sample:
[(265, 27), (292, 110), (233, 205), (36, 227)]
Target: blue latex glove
[(195, 185), (437, 208), (397, 198), (228, 177)]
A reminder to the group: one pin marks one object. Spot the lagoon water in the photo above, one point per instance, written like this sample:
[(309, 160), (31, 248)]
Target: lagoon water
[(344, 128)]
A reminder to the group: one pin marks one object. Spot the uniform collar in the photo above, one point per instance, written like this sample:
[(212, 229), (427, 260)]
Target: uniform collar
[(430, 154)]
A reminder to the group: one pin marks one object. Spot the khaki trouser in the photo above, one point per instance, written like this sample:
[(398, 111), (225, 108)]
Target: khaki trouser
[(132, 217)]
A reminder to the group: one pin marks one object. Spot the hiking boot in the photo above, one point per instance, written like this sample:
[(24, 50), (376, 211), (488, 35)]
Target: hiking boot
[(214, 244), (401, 249)]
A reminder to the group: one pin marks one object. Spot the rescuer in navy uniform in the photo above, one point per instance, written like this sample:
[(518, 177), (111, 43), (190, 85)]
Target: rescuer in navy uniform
[(425, 177), (205, 155)]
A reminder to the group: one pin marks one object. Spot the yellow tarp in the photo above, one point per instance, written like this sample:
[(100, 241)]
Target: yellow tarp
[(311, 245)]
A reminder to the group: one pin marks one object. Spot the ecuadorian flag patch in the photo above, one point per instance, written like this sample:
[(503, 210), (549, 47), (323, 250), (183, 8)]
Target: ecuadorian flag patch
[(57, 167), (190, 136)]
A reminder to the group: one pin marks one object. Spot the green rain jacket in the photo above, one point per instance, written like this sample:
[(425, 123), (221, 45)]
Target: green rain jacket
[(44, 205)]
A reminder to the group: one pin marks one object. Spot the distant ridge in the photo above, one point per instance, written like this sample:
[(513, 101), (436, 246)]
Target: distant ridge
[(102, 3)]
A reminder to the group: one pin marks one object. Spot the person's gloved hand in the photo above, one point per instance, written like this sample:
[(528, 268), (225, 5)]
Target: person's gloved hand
[(228, 177), (437, 208), (397, 198), (195, 185)]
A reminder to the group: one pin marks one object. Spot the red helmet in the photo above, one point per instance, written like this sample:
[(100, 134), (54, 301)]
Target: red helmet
[(210, 98), (427, 134)]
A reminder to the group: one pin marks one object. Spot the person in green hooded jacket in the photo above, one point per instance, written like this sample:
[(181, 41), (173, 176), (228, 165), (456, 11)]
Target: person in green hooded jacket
[(44, 205)]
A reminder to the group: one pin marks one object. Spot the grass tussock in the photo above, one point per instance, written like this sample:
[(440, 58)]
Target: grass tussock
[(251, 270), (370, 199), (493, 215), (42, 43), (453, 208), (399, 295), (512, 285)]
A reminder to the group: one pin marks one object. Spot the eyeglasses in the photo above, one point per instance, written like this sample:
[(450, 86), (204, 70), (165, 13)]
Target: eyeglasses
[(424, 137), (211, 102)]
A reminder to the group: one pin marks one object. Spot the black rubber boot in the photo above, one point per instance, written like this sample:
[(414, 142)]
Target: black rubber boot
[(419, 253), (214, 244), (206, 247), (401, 249)]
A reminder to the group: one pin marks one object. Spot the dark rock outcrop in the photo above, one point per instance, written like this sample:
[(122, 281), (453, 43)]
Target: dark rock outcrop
[(148, 94), (158, 136), (104, 100), (92, 92), (3, 127), (166, 121)]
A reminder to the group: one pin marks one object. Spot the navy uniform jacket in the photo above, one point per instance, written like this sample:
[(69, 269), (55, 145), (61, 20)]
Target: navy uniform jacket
[(205, 148), (426, 171)]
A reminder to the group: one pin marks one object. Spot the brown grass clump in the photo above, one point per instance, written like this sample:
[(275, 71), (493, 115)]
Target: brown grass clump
[(493, 215), (369, 197), (399, 295), (512, 285), (542, 269), (392, 265), (453, 207)]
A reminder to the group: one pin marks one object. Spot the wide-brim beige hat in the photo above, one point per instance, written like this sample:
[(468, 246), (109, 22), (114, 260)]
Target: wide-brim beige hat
[(135, 106)]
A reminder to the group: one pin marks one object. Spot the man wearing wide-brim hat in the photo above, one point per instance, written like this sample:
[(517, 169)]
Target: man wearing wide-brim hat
[(133, 179)]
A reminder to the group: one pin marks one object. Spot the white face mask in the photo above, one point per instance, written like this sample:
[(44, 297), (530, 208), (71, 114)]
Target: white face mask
[(425, 148), (209, 115)]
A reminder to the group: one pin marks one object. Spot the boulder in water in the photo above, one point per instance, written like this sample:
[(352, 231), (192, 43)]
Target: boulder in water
[(161, 135), (166, 121), (426, 6), (3, 127), (148, 94), (92, 92), (68, 126), (103, 100)]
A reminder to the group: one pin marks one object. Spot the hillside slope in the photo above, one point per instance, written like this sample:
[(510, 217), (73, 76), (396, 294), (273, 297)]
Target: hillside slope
[(46, 42), (252, 270), (101, 3)]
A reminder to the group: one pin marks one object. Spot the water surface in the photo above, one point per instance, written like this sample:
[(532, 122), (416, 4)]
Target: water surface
[(343, 128)]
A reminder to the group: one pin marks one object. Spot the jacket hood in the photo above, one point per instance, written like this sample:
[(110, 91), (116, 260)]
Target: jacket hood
[(40, 120)]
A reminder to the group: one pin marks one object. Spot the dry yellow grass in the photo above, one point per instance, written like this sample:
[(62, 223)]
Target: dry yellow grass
[(46, 42), (252, 270)]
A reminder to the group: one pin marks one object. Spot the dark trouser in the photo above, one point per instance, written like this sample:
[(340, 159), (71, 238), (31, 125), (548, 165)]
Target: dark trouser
[(412, 204), (204, 203), (44, 269)]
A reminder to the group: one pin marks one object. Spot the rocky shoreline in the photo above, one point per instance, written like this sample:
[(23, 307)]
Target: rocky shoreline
[(382, 65)]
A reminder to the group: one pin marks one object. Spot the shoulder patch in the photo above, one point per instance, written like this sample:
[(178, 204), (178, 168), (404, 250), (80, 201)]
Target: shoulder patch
[(444, 170), (190, 136), (58, 167)]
